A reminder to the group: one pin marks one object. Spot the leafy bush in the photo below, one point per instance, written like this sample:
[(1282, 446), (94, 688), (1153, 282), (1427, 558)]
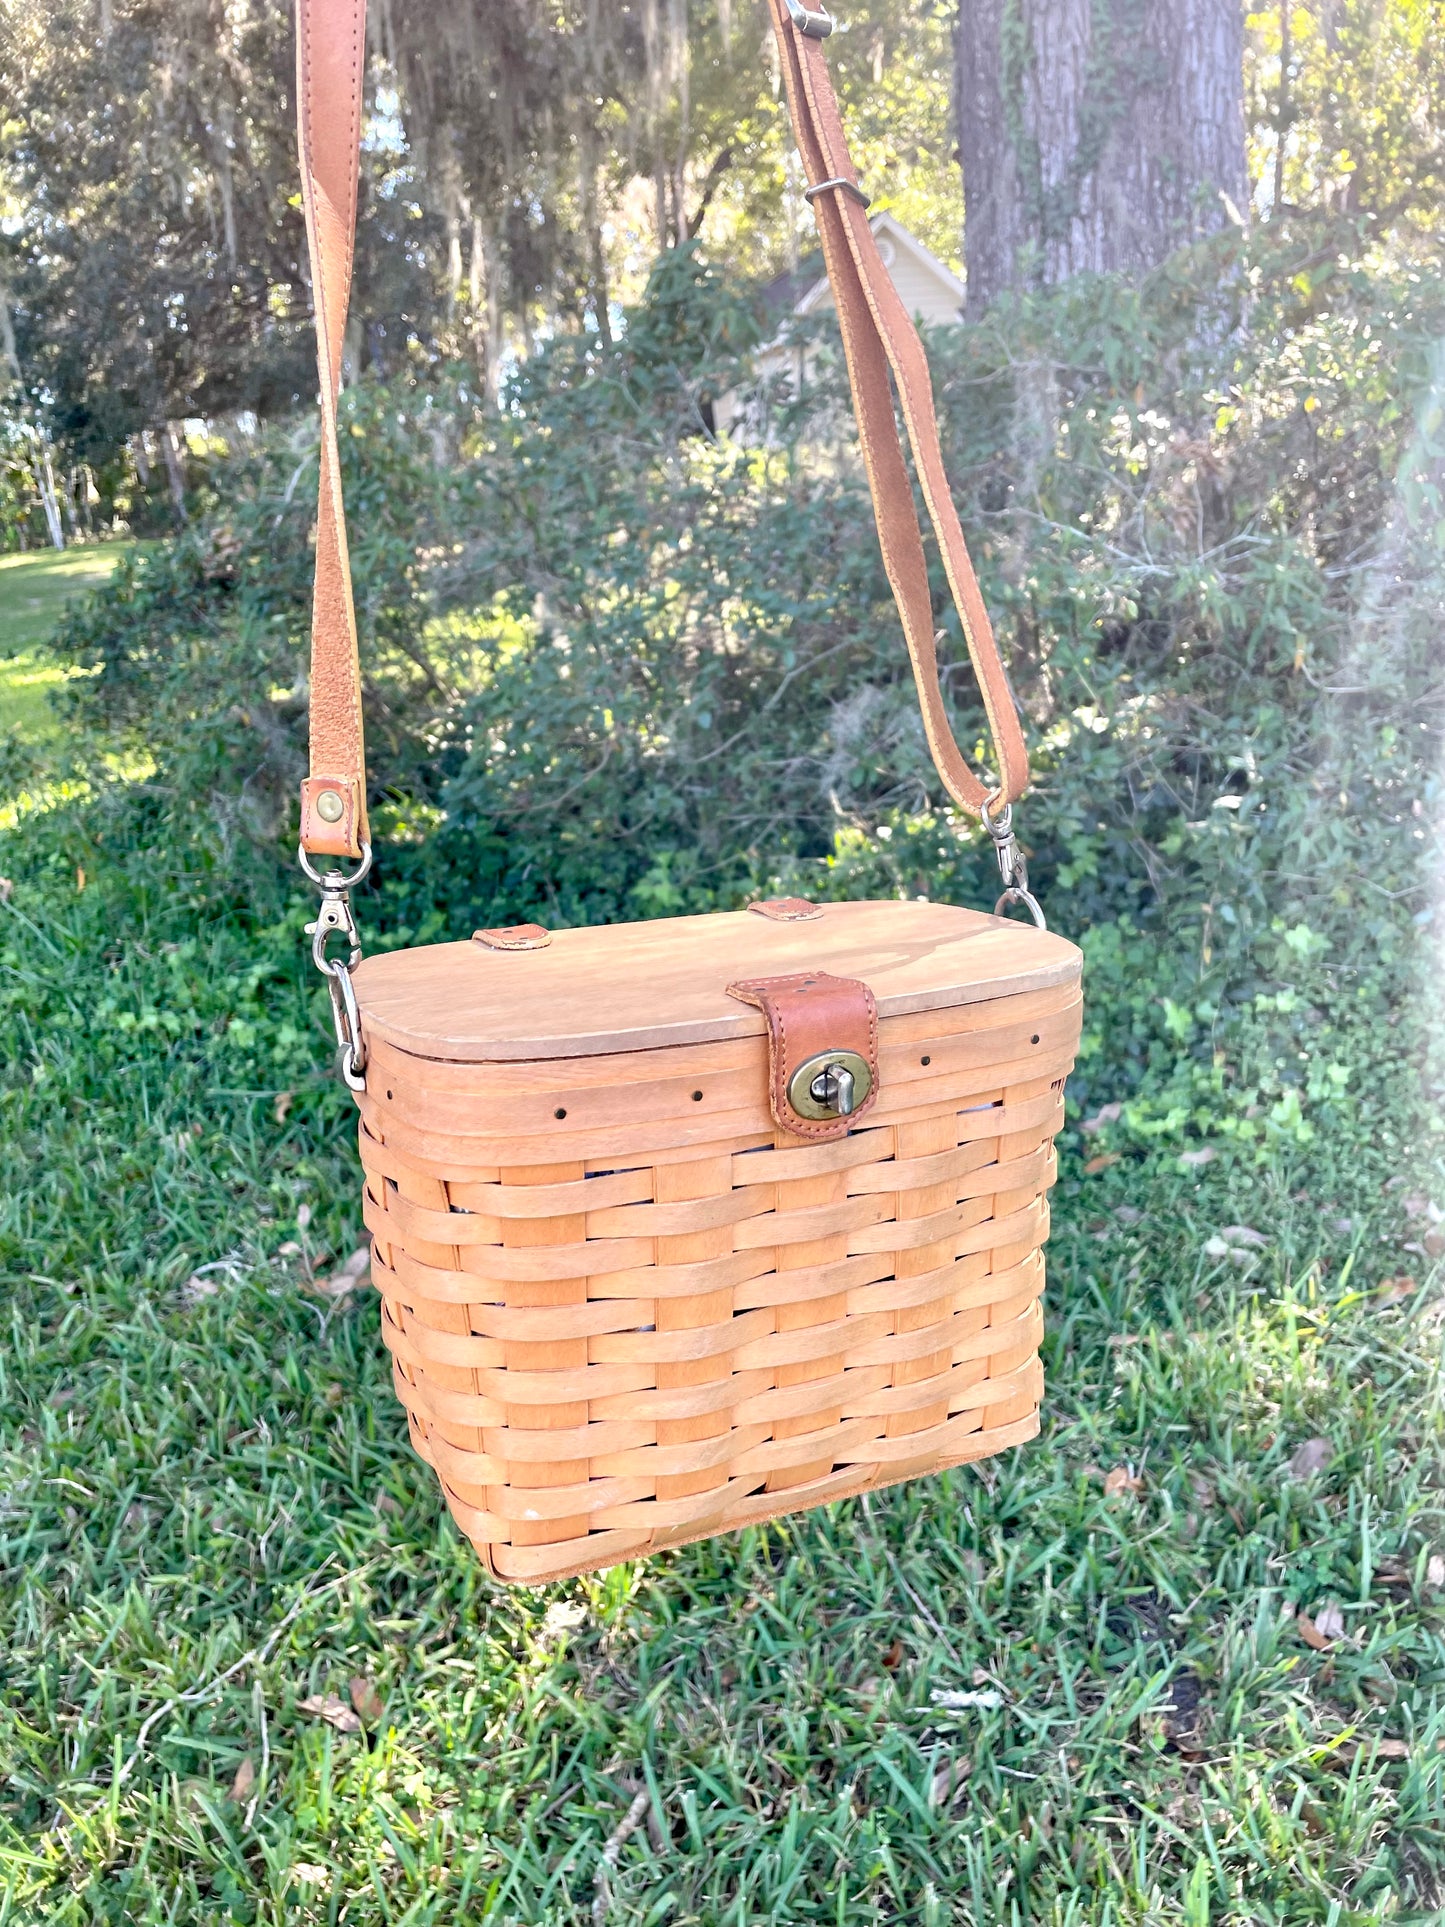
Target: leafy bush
[(618, 668)]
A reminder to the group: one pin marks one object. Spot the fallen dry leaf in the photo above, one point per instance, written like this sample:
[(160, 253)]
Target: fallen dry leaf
[(956, 1702), (1390, 1290), (303, 1217), (1100, 1163), (1106, 1114), (1206, 1154), (283, 1102), (1123, 1478), (245, 1779), (1329, 1622), (1311, 1457), (326, 1706), (972, 1566), (1243, 1234), (387, 1504), (351, 1274), (1343, 1757), (1435, 1570), (367, 1701), (7, 887), (893, 1658), (563, 1616), (947, 1781), (1181, 1718), (1310, 1633)]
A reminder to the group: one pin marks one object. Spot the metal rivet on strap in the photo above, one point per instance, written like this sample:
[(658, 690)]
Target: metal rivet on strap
[(329, 806)]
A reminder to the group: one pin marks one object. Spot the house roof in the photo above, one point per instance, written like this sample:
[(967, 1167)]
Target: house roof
[(806, 289)]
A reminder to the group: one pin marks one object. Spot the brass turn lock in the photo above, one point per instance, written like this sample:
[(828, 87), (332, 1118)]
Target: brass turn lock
[(833, 1084)]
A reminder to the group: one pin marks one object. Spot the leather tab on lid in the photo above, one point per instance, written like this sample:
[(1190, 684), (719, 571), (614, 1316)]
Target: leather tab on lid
[(816, 1018), (331, 816), (786, 909), (515, 936)]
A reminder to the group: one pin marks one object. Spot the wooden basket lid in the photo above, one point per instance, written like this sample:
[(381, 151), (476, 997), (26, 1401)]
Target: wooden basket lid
[(642, 986)]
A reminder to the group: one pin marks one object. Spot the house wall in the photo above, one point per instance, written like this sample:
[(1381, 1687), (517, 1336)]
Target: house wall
[(927, 292), (924, 295)]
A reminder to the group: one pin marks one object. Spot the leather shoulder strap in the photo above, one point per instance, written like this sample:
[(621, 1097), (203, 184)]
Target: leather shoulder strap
[(878, 337), (878, 334), (330, 71)]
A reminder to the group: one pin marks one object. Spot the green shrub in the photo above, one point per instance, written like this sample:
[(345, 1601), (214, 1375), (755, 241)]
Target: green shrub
[(616, 668)]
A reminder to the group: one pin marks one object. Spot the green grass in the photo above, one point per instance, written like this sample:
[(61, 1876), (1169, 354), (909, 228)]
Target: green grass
[(212, 1513), (209, 1512), (34, 588)]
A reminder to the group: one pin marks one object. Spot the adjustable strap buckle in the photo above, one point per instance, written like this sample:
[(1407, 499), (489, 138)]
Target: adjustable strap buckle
[(1012, 865), (816, 26)]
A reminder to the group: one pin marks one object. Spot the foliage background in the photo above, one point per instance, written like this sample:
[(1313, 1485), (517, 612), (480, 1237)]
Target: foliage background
[(619, 668)]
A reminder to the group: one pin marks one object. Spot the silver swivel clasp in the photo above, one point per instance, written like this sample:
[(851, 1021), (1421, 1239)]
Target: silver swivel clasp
[(334, 919), (1012, 865)]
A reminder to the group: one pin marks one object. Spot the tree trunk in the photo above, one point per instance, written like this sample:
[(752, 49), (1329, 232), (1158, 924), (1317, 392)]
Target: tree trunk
[(49, 499), (1095, 134), (173, 448)]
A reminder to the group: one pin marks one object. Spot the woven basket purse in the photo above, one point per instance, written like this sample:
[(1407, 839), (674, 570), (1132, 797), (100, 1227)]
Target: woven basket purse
[(680, 1225)]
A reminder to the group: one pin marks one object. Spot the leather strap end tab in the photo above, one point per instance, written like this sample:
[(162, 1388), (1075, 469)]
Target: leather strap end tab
[(331, 818), (786, 909), (514, 936), (813, 1019)]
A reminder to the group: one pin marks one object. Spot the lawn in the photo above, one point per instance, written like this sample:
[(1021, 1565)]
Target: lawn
[(34, 588), (1178, 1661), (1072, 1686)]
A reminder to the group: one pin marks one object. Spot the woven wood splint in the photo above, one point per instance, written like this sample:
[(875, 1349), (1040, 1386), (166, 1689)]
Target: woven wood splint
[(625, 1309)]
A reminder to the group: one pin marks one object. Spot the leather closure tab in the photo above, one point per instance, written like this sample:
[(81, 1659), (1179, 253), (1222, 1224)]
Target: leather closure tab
[(822, 1021), (331, 816), (514, 936), (786, 909)]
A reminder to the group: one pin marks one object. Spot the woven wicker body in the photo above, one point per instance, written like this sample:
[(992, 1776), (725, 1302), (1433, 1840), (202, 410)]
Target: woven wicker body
[(626, 1310)]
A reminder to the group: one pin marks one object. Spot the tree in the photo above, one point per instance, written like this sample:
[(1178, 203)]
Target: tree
[(1345, 101), (1095, 134), (148, 157)]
